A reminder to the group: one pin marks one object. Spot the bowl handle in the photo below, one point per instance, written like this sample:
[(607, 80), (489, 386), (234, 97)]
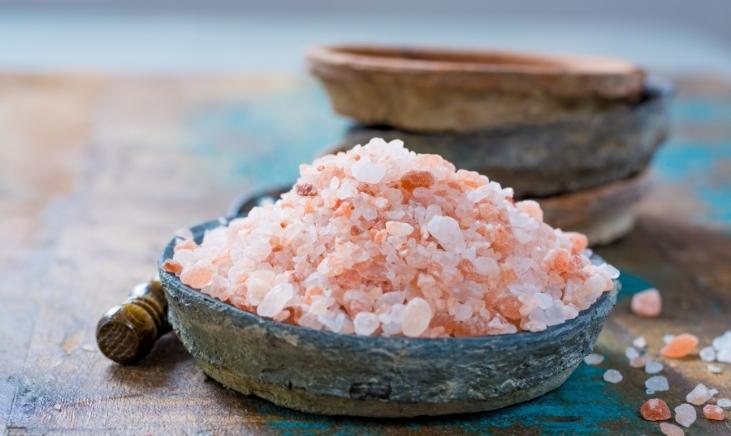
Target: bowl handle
[(126, 333)]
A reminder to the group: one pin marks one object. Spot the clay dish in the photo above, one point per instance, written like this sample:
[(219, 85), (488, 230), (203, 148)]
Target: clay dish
[(341, 374), (579, 152), (428, 90)]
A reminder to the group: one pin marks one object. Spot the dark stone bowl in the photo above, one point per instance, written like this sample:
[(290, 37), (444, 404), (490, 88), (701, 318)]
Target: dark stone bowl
[(339, 374), (540, 159)]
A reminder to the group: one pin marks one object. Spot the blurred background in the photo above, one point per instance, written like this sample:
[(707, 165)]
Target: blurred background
[(229, 35)]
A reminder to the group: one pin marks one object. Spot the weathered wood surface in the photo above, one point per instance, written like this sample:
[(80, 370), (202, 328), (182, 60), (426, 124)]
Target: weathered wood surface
[(96, 173)]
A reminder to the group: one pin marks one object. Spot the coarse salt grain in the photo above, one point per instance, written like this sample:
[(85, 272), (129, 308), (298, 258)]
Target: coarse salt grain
[(631, 353), (612, 376), (640, 342), (416, 247), (685, 415), (593, 359), (658, 383), (707, 354), (669, 429), (724, 402), (653, 367), (637, 362), (699, 395), (647, 303), (680, 346), (713, 412), (714, 369), (655, 409)]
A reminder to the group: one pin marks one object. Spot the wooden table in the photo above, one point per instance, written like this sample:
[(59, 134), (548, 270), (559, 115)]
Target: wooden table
[(97, 172)]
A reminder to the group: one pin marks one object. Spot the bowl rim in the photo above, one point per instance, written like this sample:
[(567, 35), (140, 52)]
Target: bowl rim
[(172, 283), (429, 59)]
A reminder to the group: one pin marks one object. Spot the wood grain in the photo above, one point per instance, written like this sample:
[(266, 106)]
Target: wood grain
[(96, 173)]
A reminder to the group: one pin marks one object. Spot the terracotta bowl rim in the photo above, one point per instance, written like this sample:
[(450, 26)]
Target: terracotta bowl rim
[(425, 59), (173, 284)]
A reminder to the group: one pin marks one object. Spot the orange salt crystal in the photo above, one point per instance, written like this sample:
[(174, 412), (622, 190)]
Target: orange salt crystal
[(197, 276), (172, 266), (655, 409), (647, 303), (713, 412), (680, 346)]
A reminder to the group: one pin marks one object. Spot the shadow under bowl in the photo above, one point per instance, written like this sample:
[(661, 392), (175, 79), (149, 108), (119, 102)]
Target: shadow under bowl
[(340, 374)]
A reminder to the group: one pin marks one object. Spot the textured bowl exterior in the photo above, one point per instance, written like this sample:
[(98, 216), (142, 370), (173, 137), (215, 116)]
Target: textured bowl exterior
[(336, 374), (540, 159), (430, 90)]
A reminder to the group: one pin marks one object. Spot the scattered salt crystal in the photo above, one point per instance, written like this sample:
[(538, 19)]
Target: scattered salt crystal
[(658, 383), (416, 317), (367, 172), (640, 342), (685, 415), (637, 362), (713, 412), (724, 355), (365, 323), (57, 407), (714, 369), (397, 228), (699, 395), (612, 376), (667, 339), (631, 353), (680, 346), (594, 359), (446, 231), (653, 367), (647, 303), (671, 429), (707, 354), (655, 409), (275, 300), (724, 402)]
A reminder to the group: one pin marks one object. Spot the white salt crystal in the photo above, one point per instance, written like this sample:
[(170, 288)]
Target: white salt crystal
[(671, 429), (685, 415), (609, 270), (713, 392), (485, 266), (446, 231), (640, 342), (668, 338), (631, 353), (724, 355), (612, 376), (658, 383), (653, 367), (367, 172), (544, 301), (707, 354), (724, 402), (722, 342), (365, 323), (275, 300), (416, 317), (714, 369), (397, 228), (594, 359), (258, 285), (699, 395)]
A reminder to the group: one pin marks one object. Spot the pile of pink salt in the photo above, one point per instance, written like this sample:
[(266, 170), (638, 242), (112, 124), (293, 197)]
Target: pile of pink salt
[(383, 241)]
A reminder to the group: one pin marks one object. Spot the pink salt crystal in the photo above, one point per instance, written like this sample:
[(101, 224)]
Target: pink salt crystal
[(655, 409), (364, 231), (671, 429), (416, 317), (647, 303), (680, 346), (713, 412), (637, 362)]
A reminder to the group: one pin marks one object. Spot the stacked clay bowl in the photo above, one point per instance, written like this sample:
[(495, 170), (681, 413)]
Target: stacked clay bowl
[(575, 133)]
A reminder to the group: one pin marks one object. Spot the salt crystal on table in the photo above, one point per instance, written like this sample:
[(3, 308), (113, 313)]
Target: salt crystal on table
[(655, 409), (713, 412), (637, 362), (671, 429), (714, 369), (647, 303), (631, 353), (707, 354), (612, 376), (724, 402), (680, 346), (658, 383), (699, 395), (594, 359), (685, 415), (640, 342), (653, 367)]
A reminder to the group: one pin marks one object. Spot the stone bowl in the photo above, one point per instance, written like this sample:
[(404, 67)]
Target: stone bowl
[(339, 374), (580, 151), (429, 90)]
